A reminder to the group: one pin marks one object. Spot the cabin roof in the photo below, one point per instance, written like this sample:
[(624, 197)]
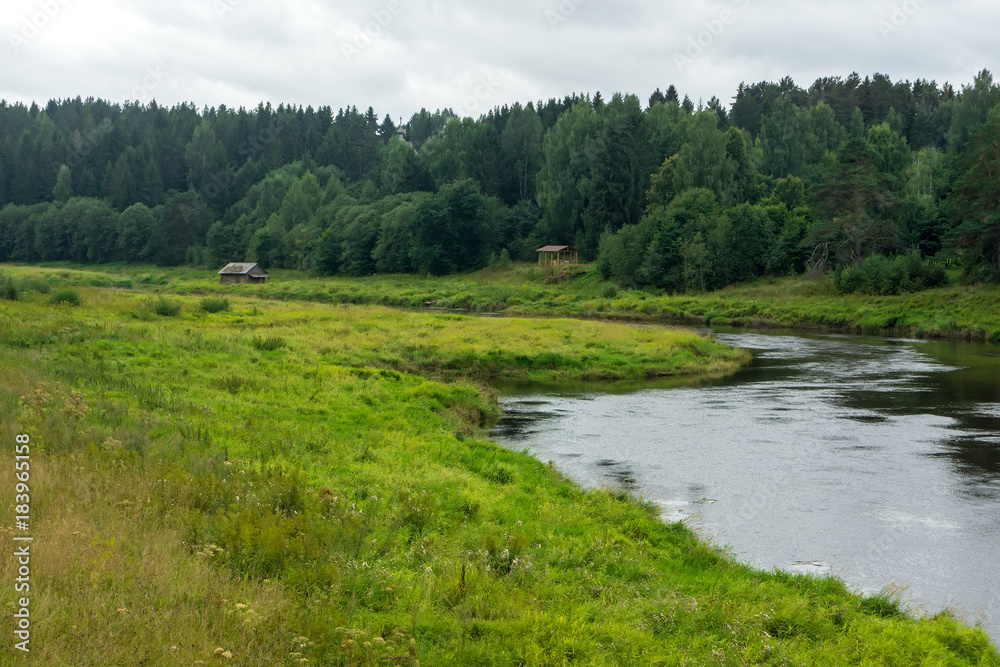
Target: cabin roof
[(555, 248), (242, 268)]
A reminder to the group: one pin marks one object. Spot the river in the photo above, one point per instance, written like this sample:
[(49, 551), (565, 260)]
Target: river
[(875, 460)]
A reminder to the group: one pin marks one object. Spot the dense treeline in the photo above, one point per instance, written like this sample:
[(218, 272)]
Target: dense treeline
[(665, 195)]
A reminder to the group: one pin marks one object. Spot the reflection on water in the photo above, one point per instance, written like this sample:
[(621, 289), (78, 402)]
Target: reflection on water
[(877, 460)]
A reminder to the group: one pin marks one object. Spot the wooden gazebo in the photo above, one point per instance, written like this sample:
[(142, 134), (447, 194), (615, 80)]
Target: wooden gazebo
[(558, 255), (558, 260)]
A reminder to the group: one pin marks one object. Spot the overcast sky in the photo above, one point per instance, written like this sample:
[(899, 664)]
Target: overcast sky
[(401, 55)]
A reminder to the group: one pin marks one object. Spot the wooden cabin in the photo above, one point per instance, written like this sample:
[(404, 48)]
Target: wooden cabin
[(243, 273)]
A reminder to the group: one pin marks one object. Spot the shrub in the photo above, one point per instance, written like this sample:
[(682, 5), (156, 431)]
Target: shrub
[(880, 275), (9, 289), (35, 285), (167, 307), (66, 295), (214, 304)]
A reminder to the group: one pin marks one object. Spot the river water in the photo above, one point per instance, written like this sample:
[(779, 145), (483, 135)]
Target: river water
[(875, 460)]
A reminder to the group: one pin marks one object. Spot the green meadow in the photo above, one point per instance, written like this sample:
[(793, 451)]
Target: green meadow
[(304, 478), (970, 312)]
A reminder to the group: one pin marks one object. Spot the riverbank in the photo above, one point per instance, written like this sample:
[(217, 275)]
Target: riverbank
[(282, 482), (804, 303)]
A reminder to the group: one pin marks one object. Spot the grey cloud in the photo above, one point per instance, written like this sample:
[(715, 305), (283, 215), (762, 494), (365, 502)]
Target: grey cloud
[(438, 53)]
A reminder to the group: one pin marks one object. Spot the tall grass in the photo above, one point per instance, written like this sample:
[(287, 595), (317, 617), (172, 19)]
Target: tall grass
[(11, 288), (214, 304)]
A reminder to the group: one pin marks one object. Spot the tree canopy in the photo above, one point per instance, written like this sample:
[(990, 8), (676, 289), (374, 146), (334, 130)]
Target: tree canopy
[(798, 179)]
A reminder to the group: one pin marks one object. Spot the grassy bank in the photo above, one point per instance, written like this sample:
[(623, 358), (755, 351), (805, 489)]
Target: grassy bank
[(275, 483), (958, 311)]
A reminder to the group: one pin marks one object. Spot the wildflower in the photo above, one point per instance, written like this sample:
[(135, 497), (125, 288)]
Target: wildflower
[(110, 444), (240, 606)]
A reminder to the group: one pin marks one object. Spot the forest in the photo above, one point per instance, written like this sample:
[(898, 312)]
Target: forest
[(884, 182)]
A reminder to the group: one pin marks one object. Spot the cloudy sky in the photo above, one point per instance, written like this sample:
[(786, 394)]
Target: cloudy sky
[(401, 55)]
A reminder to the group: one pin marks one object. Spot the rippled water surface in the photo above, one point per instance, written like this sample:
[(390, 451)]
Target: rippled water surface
[(877, 460)]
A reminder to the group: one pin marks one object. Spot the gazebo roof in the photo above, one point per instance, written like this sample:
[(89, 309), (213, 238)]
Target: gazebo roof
[(556, 248)]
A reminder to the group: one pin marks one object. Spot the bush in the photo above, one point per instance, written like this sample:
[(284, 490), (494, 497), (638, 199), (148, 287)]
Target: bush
[(66, 295), (214, 304), (880, 275), (9, 289), (35, 285), (167, 307)]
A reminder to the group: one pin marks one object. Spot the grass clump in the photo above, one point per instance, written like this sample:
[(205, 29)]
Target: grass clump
[(66, 295), (166, 307), (214, 304), (268, 343), (234, 384)]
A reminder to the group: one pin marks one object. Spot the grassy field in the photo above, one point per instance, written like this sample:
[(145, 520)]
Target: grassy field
[(244, 481), (957, 311)]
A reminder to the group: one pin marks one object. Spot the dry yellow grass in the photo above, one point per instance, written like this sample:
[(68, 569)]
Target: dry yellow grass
[(116, 585)]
